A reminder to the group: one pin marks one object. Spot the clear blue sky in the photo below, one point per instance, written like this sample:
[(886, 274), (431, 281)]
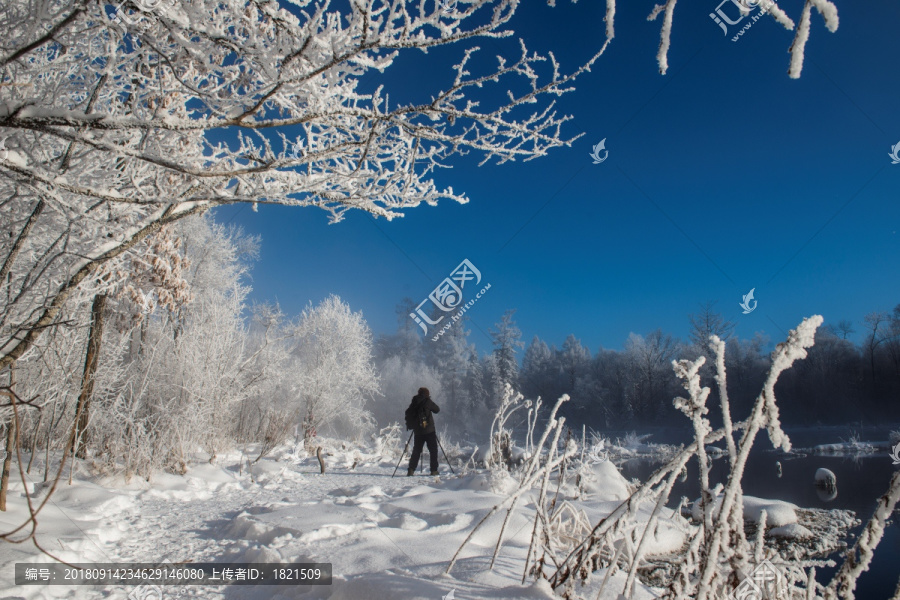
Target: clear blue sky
[(723, 175)]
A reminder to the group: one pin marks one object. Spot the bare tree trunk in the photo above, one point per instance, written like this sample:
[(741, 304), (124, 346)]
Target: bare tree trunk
[(11, 438), (872, 362), (145, 324), (17, 245), (51, 425), (87, 380), (34, 440), (309, 429)]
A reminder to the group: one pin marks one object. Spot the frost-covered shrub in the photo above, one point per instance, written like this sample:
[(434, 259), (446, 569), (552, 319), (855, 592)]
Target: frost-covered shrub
[(388, 442), (499, 453), (717, 556), (182, 372)]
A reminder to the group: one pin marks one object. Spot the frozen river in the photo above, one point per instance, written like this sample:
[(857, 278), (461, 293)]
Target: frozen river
[(861, 480)]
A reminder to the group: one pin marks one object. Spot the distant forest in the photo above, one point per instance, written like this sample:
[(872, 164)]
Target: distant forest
[(839, 382)]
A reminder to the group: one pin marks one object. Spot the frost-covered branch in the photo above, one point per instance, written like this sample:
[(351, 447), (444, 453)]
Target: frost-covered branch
[(763, 414), (110, 129), (528, 477), (500, 438), (695, 409), (860, 556), (829, 14), (665, 32), (717, 551), (717, 345)]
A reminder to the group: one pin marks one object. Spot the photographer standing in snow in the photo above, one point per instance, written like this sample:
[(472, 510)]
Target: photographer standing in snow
[(423, 408)]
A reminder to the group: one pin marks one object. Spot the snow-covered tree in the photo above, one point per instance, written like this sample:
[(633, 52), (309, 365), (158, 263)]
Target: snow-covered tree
[(649, 359), (406, 343), (116, 122), (333, 370), (112, 131), (536, 364), (268, 411), (478, 382), (706, 323), (506, 337), (450, 356), (182, 390), (573, 360)]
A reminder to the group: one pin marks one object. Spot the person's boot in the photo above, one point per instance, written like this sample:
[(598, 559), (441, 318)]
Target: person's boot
[(434, 472), (410, 472)]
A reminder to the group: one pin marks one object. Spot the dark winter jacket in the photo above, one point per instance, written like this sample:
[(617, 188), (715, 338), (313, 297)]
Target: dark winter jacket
[(431, 407)]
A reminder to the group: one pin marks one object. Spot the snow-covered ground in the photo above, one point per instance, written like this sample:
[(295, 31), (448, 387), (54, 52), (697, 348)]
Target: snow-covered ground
[(385, 537)]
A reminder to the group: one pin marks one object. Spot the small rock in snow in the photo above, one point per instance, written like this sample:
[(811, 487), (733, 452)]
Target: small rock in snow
[(826, 479)]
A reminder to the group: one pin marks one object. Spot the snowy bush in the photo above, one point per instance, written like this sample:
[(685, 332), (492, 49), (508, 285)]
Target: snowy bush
[(388, 441), (499, 453), (858, 446), (273, 428), (533, 473)]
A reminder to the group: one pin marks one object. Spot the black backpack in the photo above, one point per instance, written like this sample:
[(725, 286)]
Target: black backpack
[(416, 416)]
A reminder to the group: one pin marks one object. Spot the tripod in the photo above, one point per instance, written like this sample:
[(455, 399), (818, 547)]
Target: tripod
[(445, 454), (423, 462), (402, 455)]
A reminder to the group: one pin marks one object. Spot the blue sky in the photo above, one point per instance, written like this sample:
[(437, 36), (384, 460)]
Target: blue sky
[(722, 176)]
